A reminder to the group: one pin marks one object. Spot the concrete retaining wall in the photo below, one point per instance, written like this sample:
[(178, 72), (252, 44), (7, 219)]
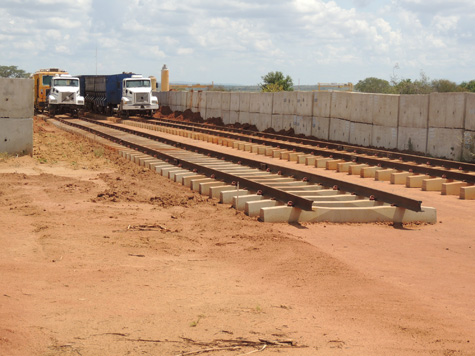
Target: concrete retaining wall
[(16, 116), (434, 124)]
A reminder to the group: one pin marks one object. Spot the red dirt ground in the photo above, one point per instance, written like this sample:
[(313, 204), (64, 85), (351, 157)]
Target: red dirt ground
[(101, 257)]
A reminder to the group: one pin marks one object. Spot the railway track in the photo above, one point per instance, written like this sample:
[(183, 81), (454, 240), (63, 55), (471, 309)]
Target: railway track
[(273, 192), (449, 177)]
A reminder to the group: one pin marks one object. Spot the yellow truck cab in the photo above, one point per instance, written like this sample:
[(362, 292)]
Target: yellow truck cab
[(42, 79)]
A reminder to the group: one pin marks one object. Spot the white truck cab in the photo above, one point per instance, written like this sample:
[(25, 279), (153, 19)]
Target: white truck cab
[(137, 96), (64, 95)]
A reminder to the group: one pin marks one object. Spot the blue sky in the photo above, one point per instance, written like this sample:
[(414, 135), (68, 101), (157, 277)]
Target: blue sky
[(239, 41)]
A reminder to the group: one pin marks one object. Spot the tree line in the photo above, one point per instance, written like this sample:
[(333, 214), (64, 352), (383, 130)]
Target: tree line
[(423, 85)]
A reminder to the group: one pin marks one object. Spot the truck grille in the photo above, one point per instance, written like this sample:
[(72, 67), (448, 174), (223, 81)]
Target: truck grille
[(67, 98), (141, 98)]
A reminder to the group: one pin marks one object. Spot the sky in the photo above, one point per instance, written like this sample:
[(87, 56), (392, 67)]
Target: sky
[(240, 41)]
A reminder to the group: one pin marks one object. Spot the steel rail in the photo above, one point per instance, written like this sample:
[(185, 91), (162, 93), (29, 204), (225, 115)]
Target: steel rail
[(422, 165), (352, 188)]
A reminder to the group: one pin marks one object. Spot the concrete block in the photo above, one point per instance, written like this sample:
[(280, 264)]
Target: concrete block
[(385, 109), (253, 208), (447, 110), (304, 103), (433, 184), (215, 191), (384, 136), (240, 203), (235, 99), (290, 103), (384, 174), (355, 169), (361, 108), (225, 116), (186, 181), (189, 100), (16, 135), (470, 111), (321, 128), (204, 187), (352, 215), (195, 183), (414, 111), (369, 172), (261, 103), (321, 162), (445, 143), (254, 103), (412, 139), (415, 181), (244, 102), (16, 98), (399, 177), (344, 166), (340, 105), (228, 196), (452, 188), (339, 130), (302, 125), (467, 193), (333, 164), (360, 134), (322, 103)]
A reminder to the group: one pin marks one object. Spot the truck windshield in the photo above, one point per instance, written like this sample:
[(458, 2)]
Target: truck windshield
[(66, 82), (47, 80), (137, 83)]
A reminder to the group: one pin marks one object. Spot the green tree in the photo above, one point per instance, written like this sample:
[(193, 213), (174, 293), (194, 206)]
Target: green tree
[(12, 72), (470, 86), (373, 85), (407, 86), (445, 86), (275, 80)]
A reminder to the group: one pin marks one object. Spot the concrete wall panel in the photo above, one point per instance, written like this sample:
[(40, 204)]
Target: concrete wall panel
[(226, 101), (384, 136), (470, 112), (321, 127), (414, 111), (360, 134), (281, 122), (255, 103), (244, 102), (213, 100), (468, 150), (225, 115), (202, 104), (304, 103), (16, 134), (446, 110), (278, 103), (233, 117), (266, 100), (290, 102), (302, 125), (339, 130), (189, 100), (234, 101), (244, 117), (445, 143), (322, 103), (361, 108), (340, 105), (412, 139), (385, 110), (261, 121), (16, 98), (212, 113)]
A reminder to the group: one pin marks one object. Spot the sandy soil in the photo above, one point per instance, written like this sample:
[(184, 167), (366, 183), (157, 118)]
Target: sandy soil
[(101, 257)]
